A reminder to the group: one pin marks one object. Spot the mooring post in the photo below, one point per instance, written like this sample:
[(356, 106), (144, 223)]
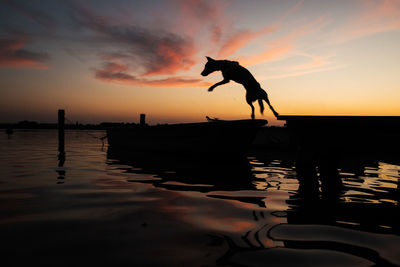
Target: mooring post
[(61, 126), (142, 119)]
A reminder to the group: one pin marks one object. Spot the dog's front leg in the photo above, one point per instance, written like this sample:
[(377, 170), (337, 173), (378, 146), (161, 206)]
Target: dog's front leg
[(218, 84)]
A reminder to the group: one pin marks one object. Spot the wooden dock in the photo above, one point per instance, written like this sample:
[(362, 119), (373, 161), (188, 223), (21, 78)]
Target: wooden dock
[(321, 142), (350, 133)]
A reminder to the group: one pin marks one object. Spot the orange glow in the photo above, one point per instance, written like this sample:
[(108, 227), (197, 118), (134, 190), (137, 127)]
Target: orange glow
[(268, 55)]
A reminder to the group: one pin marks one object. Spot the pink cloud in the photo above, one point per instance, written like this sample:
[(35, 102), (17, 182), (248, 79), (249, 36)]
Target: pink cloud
[(119, 73), (313, 62), (174, 59), (268, 55), (156, 52), (282, 46), (379, 16), (303, 71), (198, 14), (374, 16), (241, 39), (12, 54)]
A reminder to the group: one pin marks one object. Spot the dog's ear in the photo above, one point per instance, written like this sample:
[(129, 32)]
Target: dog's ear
[(210, 59)]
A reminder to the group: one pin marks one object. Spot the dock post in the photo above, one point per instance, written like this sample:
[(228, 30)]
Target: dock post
[(142, 119), (61, 126)]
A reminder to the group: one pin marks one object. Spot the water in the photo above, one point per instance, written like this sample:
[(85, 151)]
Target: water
[(101, 207)]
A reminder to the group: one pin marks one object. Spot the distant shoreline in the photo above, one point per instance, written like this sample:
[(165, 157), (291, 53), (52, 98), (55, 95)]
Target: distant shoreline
[(76, 126)]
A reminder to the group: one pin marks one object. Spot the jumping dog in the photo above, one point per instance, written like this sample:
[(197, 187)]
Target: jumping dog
[(231, 70)]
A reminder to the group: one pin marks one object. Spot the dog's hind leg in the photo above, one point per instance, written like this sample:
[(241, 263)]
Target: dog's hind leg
[(252, 111), (261, 104), (265, 98), (252, 107)]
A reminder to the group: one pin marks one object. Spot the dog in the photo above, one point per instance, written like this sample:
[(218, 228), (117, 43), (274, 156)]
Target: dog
[(231, 70)]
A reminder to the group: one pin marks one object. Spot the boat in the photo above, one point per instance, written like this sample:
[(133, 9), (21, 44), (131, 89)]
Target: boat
[(214, 137)]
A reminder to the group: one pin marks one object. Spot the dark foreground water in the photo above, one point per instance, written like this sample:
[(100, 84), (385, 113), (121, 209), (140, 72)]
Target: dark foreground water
[(102, 207)]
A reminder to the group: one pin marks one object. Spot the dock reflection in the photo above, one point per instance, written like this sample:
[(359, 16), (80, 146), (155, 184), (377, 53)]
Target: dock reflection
[(61, 170), (368, 199), (189, 172)]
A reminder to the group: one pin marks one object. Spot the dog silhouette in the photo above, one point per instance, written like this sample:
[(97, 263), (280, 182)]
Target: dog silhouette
[(231, 70)]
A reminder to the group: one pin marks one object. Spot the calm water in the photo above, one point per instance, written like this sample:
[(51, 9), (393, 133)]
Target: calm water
[(104, 208)]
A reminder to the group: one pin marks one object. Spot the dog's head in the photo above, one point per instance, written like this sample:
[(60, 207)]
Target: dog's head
[(210, 66)]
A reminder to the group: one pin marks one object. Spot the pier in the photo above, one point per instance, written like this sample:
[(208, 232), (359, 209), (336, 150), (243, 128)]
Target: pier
[(320, 142), (377, 134)]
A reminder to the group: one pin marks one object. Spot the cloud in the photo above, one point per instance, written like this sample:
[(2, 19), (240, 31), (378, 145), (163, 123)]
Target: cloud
[(120, 73), (200, 9), (291, 10), (199, 14), (314, 62), (303, 71), (282, 46), (311, 64), (38, 16), (273, 53), (241, 39), (12, 54), (157, 52), (373, 16), (208, 19), (377, 16)]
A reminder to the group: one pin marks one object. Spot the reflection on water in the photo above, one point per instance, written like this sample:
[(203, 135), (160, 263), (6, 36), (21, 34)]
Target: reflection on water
[(103, 206)]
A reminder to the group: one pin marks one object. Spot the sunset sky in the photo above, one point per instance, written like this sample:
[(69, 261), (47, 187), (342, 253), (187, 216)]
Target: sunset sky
[(112, 60)]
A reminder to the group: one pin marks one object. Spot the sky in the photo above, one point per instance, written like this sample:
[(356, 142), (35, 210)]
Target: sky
[(112, 60)]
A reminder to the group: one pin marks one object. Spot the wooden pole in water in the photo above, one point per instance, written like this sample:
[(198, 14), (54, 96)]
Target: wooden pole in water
[(61, 126), (142, 119)]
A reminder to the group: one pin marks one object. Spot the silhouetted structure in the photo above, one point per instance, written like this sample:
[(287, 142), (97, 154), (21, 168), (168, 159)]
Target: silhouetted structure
[(61, 119), (9, 132), (321, 141), (61, 143), (142, 119), (208, 139), (231, 70)]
